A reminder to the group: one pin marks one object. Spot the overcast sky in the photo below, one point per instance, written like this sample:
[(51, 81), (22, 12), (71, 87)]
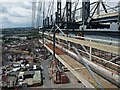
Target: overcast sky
[(18, 13), (15, 14)]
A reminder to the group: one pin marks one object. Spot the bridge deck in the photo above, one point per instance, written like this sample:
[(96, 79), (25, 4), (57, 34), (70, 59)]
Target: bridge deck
[(84, 72), (79, 70)]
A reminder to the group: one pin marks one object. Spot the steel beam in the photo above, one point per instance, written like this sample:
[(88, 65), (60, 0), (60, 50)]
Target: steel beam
[(87, 66), (119, 14), (113, 59), (45, 22), (51, 19), (54, 37), (48, 21), (56, 19), (68, 10), (107, 48), (85, 11), (103, 47), (58, 10)]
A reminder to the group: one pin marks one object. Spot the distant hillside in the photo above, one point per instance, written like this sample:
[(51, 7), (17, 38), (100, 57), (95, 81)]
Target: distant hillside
[(8, 31), (20, 32)]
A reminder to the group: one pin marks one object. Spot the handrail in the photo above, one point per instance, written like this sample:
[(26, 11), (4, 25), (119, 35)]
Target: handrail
[(103, 47)]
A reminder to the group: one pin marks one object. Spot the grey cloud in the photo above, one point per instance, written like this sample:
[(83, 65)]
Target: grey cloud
[(15, 14), (3, 9)]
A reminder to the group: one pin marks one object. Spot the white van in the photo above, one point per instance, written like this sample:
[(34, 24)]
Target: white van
[(20, 77)]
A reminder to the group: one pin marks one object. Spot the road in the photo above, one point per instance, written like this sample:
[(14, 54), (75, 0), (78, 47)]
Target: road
[(47, 82)]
